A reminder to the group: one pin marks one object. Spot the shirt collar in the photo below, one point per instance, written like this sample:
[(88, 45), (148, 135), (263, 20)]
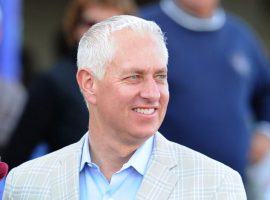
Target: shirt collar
[(191, 22), (85, 157), (139, 160)]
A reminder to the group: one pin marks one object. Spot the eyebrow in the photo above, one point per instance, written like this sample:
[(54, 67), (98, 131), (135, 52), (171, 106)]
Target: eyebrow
[(163, 70), (141, 71)]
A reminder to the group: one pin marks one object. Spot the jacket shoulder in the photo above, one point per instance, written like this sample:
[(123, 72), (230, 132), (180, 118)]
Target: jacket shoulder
[(191, 158), (50, 160), (191, 162), (197, 172), (34, 177)]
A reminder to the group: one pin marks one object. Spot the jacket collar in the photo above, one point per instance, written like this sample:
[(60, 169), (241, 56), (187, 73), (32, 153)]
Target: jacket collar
[(160, 175)]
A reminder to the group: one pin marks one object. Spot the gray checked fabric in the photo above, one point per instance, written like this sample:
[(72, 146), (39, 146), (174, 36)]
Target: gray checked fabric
[(175, 173)]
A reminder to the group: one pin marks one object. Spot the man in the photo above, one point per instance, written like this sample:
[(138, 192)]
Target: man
[(122, 73), (219, 80)]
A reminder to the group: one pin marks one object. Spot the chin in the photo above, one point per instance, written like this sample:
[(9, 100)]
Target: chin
[(144, 133)]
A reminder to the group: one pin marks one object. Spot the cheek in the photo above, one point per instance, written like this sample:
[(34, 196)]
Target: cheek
[(127, 92), (120, 97)]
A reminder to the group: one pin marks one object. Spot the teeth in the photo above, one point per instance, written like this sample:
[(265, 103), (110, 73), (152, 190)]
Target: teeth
[(145, 111)]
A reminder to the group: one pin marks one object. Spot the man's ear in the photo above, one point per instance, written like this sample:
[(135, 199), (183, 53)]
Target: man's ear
[(87, 83)]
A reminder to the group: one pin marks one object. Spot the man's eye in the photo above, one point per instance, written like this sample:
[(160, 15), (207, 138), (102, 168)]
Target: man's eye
[(161, 76), (133, 77)]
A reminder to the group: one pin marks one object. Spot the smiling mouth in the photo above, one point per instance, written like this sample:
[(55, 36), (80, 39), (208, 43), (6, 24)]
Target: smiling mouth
[(145, 111)]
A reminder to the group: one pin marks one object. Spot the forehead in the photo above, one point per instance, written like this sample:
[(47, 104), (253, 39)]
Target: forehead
[(137, 50), (127, 38)]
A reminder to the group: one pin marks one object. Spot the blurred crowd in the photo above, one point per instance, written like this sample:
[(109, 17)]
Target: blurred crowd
[(219, 80)]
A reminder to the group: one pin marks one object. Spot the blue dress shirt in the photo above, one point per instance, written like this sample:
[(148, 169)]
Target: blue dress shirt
[(124, 184)]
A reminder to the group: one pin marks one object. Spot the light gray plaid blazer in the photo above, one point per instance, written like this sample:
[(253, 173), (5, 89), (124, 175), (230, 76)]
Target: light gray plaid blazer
[(175, 172)]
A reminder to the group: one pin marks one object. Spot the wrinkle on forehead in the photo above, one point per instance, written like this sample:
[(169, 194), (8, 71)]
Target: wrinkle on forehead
[(127, 38)]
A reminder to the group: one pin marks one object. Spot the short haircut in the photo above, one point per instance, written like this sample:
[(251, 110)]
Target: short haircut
[(96, 48)]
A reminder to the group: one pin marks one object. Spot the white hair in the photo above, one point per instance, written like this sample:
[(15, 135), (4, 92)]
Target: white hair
[(96, 48)]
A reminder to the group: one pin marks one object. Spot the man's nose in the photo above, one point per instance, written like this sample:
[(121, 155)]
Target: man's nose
[(150, 90)]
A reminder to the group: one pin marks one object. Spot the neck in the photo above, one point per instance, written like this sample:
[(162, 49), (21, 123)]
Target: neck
[(108, 155), (108, 151), (203, 12)]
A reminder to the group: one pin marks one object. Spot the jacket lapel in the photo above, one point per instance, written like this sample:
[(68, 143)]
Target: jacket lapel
[(65, 178), (159, 179)]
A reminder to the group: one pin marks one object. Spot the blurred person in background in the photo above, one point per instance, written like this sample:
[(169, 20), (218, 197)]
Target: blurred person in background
[(12, 100), (219, 82), (14, 96), (12, 92), (55, 112)]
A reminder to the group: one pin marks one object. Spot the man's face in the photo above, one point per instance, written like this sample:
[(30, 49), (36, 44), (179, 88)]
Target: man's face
[(132, 97)]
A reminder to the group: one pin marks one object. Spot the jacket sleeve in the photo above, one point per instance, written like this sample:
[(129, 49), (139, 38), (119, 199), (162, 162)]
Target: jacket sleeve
[(8, 187)]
